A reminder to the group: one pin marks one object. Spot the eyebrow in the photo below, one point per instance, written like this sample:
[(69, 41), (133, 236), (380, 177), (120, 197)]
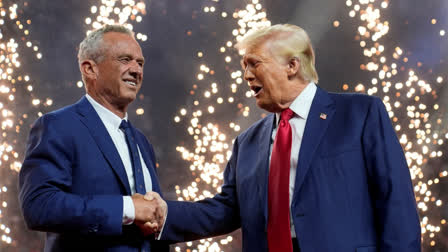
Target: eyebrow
[(251, 57), (142, 60)]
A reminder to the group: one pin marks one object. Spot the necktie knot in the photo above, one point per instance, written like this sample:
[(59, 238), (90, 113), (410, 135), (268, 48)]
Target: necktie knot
[(124, 125), (286, 114)]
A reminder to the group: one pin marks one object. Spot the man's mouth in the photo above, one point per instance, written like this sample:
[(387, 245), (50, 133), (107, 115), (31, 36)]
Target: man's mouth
[(131, 82), (256, 90)]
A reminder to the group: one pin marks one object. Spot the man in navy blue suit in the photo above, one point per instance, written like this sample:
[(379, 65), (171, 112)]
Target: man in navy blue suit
[(323, 172), (86, 168)]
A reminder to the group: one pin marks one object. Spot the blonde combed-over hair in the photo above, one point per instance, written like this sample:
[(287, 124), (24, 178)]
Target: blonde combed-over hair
[(289, 41)]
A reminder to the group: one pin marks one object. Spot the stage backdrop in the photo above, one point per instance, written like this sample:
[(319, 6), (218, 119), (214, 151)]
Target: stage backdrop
[(194, 102)]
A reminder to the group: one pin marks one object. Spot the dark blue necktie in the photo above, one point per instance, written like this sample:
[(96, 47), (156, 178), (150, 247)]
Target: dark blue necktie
[(135, 158)]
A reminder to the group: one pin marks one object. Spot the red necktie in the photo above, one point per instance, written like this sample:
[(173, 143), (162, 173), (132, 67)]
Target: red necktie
[(279, 232)]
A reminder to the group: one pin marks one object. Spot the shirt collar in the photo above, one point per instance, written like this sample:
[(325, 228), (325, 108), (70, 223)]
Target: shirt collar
[(302, 103), (110, 120)]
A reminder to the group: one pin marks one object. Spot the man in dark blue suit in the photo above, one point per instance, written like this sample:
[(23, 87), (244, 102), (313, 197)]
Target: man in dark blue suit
[(323, 172), (83, 162)]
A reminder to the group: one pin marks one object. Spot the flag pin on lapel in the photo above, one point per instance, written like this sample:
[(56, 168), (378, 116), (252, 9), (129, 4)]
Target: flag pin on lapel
[(323, 116)]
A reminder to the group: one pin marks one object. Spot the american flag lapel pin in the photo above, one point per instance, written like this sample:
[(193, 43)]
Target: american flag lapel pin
[(323, 116)]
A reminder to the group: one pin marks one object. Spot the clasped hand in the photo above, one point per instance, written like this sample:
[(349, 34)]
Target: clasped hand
[(150, 212)]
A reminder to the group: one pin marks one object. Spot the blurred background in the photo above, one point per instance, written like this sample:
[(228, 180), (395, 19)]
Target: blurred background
[(194, 102)]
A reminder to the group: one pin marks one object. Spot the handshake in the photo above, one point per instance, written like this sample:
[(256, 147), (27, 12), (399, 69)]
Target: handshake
[(150, 212)]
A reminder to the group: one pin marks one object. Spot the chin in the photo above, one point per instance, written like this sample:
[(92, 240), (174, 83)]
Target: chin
[(130, 95), (128, 98), (264, 106), (270, 107)]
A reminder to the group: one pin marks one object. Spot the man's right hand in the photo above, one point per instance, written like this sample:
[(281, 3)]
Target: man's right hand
[(150, 212)]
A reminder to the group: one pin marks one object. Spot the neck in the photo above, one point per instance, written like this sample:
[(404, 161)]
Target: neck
[(117, 109), (297, 88)]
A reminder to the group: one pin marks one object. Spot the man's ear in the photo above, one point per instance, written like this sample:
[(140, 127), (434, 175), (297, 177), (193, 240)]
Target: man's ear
[(89, 69), (293, 67)]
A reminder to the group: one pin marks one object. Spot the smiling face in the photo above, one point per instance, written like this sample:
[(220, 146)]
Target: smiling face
[(117, 78), (269, 78)]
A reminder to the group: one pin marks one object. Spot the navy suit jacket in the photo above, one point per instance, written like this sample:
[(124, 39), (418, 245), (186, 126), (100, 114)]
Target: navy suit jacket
[(72, 183), (353, 191)]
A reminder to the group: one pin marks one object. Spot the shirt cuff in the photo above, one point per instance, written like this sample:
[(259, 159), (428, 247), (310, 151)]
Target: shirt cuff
[(128, 210)]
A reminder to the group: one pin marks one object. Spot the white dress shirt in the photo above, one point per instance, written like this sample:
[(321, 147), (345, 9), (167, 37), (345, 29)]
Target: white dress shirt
[(112, 123), (301, 107)]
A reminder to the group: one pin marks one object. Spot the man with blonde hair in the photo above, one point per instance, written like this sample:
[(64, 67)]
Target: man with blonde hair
[(323, 172)]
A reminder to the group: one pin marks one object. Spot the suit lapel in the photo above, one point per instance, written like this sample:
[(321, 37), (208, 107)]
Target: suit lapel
[(315, 128), (264, 143), (102, 138), (149, 161)]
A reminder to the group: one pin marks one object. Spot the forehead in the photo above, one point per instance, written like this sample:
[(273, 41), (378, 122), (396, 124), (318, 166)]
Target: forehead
[(121, 43), (260, 50)]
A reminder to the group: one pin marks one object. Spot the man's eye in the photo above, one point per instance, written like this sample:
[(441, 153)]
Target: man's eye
[(254, 63)]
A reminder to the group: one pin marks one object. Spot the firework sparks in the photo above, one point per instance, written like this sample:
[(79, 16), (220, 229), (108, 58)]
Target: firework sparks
[(210, 136), (410, 101), (16, 39)]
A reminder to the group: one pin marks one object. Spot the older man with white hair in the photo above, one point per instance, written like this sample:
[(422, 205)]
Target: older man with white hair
[(86, 168)]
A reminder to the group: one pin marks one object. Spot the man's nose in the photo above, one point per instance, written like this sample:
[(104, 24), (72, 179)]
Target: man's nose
[(136, 69), (248, 75)]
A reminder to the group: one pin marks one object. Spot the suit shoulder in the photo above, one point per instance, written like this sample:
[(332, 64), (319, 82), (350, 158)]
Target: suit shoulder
[(353, 97), (61, 117), (61, 112), (354, 100)]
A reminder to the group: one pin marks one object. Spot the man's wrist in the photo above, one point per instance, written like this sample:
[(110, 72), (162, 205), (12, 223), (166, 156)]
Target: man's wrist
[(128, 210)]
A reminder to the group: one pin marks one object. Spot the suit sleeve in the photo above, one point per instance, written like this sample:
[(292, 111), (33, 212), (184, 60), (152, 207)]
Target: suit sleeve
[(219, 215), (45, 184), (390, 184)]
